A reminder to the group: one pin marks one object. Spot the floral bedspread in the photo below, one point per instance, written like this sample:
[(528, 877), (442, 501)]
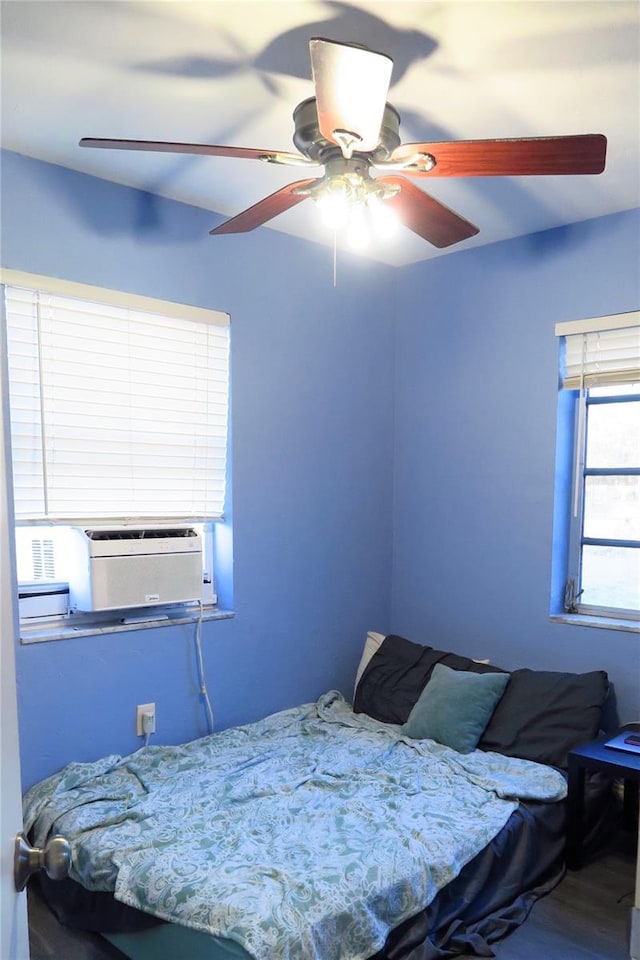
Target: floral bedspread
[(310, 834)]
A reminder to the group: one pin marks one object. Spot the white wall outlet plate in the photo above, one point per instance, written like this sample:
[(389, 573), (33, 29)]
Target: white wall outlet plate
[(141, 710)]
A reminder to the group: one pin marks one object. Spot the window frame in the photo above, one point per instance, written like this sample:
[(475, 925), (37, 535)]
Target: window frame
[(577, 539), (49, 627)]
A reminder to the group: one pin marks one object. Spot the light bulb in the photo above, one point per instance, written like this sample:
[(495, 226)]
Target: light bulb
[(383, 219), (333, 204), (358, 229)]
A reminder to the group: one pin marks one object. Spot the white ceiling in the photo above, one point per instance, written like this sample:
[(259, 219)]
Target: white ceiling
[(232, 72)]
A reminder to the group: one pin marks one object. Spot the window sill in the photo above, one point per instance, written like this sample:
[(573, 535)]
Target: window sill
[(63, 630), (604, 623)]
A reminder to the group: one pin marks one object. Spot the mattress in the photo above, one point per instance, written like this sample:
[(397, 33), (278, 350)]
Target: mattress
[(490, 897)]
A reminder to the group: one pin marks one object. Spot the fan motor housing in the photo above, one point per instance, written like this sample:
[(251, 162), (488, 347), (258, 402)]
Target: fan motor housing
[(311, 143)]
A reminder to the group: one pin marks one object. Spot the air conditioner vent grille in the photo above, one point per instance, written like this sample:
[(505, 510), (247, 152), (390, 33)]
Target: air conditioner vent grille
[(146, 534), (43, 557)]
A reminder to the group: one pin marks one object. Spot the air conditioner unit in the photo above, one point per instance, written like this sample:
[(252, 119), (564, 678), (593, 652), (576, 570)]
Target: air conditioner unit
[(117, 568)]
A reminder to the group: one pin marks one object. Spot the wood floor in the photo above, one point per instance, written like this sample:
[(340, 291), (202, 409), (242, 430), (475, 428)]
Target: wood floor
[(585, 918)]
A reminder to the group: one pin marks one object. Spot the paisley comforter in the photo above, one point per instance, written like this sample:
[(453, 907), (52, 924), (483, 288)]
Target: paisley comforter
[(310, 834)]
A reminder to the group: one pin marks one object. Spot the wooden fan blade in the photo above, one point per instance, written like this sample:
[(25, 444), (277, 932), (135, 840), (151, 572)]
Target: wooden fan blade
[(426, 216), (204, 149), (534, 156), (265, 209), (351, 92)]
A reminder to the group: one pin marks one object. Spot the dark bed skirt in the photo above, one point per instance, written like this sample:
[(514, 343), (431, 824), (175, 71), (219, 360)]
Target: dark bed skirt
[(490, 897), (493, 893)]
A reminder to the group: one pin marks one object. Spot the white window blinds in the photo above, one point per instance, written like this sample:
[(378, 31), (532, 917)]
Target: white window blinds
[(602, 351), (116, 412)]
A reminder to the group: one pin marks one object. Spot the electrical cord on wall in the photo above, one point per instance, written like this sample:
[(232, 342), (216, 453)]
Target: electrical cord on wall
[(201, 677), (148, 727)]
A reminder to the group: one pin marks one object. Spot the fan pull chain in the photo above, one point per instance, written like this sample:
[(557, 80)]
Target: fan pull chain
[(335, 257)]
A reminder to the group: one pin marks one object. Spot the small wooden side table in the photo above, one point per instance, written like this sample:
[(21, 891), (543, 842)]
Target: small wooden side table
[(614, 763)]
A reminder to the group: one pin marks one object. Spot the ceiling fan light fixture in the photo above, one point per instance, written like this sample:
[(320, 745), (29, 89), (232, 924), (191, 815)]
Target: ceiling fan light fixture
[(353, 202), (351, 83)]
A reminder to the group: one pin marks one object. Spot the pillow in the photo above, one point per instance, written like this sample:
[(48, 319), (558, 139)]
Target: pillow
[(371, 646), (543, 714), (398, 672), (455, 707)]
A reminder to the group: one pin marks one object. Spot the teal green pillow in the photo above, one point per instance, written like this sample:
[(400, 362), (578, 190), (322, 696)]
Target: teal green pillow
[(455, 707)]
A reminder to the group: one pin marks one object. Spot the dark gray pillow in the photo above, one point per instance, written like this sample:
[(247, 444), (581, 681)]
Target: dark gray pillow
[(543, 714), (398, 672)]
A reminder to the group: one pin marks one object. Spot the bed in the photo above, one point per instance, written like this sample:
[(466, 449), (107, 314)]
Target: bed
[(421, 822)]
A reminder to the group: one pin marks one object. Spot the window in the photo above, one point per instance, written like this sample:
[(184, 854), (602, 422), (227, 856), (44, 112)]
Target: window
[(118, 409), (601, 398)]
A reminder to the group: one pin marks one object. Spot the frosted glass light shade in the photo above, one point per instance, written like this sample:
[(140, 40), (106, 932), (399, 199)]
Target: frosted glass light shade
[(351, 92)]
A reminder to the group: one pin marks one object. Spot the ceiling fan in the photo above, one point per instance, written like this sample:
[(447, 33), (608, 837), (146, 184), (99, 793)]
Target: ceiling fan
[(349, 129)]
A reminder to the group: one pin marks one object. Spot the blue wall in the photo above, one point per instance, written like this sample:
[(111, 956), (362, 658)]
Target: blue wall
[(393, 457), (476, 400), (312, 466)]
